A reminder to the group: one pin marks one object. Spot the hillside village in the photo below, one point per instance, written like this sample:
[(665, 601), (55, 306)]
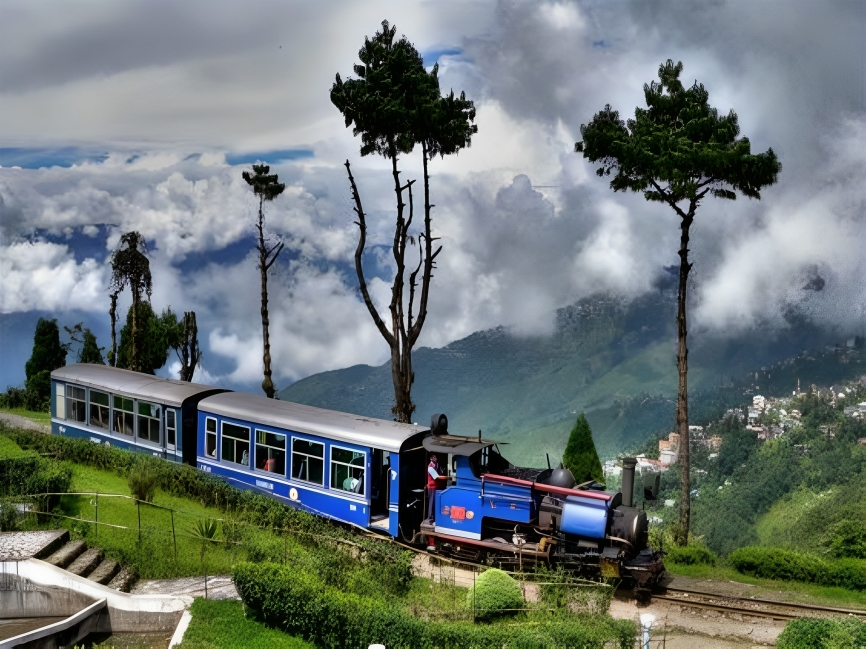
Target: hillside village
[(767, 417)]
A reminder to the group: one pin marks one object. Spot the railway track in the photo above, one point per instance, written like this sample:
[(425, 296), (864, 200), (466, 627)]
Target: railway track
[(764, 608), (730, 605)]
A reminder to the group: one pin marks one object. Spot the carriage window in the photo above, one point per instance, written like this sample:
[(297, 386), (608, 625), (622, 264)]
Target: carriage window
[(76, 404), (170, 428), (236, 444), (60, 406), (308, 461), (148, 421), (210, 437), (98, 409), (347, 469), (123, 416), (270, 452)]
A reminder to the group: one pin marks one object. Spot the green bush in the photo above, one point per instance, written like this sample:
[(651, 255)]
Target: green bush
[(691, 555), (776, 563), (848, 539), (822, 634), (8, 516), (300, 604), (494, 593), (143, 480)]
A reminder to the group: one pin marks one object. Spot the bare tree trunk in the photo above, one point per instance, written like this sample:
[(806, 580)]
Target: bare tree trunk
[(190, 355), (266, 260), (113, 313), (134, 342), (267, 383), (682, 414)]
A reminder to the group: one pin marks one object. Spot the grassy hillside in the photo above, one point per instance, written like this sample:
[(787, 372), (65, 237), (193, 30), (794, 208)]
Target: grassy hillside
[(608, 357)]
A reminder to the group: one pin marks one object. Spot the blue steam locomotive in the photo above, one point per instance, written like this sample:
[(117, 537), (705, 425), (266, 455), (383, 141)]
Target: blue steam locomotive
[(365, 472)]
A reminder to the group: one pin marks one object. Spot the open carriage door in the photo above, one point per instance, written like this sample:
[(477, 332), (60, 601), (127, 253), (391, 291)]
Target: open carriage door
[(380, 484)]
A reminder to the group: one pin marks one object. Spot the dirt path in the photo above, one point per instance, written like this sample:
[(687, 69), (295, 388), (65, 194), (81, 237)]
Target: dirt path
[(218, 587), (17, 421)]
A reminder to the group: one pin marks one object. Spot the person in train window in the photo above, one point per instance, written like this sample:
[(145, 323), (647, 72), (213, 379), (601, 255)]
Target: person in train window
[(432, 474), (245, 458)]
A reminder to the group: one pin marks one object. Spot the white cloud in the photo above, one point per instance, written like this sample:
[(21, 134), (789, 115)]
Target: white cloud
[(45, 276)]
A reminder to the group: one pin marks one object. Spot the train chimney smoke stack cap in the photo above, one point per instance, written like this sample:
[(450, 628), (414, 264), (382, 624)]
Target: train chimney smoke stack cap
[(439, 424), (628, 465)]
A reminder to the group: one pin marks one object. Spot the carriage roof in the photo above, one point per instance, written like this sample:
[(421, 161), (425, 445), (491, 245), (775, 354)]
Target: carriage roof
[(113, 379), (339, 426)]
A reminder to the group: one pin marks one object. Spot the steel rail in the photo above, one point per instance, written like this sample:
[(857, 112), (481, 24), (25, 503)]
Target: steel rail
[(771, 602)]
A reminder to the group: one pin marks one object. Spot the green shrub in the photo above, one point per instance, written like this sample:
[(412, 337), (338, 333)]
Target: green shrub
[(848, 539), (300, 604), (822, 634), (143, 480), (691, 555), (494, 593), (775, 563), (8, 516)]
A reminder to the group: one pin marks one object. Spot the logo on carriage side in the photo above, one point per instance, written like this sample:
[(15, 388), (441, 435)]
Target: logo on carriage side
[(62, 429), (293, 494), (265, 485)]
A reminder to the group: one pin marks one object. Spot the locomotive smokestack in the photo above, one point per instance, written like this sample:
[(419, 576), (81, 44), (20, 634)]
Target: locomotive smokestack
[(628, 465)]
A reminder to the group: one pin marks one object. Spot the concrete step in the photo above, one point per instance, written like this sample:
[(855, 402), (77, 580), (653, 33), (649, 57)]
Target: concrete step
[(86, 562), (67, 554), (123, 580), (104, 572)]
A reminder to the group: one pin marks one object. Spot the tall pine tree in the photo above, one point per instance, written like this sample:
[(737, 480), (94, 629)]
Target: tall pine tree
[(48, 354), (580, 456)]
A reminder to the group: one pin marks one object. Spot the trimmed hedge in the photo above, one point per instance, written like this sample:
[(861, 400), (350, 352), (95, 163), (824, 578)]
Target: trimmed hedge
[(776, 563), (822, 634), (33, 475), (300, 604), (494, 593)]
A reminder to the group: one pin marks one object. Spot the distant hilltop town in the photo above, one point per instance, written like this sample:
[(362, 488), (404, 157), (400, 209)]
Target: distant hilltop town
[(768, 418)]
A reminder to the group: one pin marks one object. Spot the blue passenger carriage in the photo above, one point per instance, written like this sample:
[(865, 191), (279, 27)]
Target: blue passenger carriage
[(345, 467), (134, 411)]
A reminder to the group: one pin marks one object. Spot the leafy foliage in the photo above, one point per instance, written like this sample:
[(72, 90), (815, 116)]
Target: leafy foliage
[(48, 354), (395, 103), (494, 593), (300, 604), (90, 351), (777, 563), (580, 456), (691, 555), (808, 633), (143, 481), (157, 336), (678, 140)]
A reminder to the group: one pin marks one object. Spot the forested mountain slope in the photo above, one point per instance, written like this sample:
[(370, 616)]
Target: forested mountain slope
[(611, 358)]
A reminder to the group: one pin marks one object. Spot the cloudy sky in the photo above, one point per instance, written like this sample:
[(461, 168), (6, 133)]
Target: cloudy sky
[(118, 116)]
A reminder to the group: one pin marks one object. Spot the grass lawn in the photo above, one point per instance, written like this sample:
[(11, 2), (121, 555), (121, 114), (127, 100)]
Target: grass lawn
[(154, 554), (768, 589), (9, 449), (38, 417), (221, 625)]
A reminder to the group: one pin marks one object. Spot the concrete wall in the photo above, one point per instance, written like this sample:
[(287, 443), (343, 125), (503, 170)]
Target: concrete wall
[(46, 590)]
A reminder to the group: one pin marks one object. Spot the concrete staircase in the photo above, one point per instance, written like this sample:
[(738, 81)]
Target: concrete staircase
[(75, 557)]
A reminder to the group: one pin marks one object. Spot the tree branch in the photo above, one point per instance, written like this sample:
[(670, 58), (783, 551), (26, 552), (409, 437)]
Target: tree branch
[(359, 269)]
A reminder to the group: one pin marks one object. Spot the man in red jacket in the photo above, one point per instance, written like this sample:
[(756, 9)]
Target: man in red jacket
[(432, 474)]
